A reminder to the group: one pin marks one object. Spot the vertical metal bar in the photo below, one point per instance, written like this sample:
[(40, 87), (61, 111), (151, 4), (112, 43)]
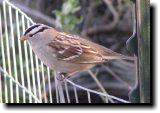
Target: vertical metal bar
[(56, 87), (22, 76), (20, 52), (89, 97), (8, 51), (32, 66), (3, 60), (49, 85), (107, 99), (61, 94), (1, 86), (43, 83), (16, 82), (38, 80), (75, 92), (27, 65), (67, 93), (14, 54), (60, 90)]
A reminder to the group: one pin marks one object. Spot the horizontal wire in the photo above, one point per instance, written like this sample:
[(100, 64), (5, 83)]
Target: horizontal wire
[(75, 85), (27, 17), (16, 82), (110, 96)]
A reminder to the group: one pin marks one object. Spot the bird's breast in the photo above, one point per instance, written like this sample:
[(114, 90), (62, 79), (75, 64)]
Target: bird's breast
[(47, 56)]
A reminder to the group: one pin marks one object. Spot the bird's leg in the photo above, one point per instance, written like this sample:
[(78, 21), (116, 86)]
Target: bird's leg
[(61, 76)]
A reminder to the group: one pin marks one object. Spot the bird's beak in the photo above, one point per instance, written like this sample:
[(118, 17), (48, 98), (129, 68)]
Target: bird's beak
[(23, 37)]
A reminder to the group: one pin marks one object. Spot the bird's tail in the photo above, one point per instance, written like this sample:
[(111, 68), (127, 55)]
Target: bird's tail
[(118, 56)]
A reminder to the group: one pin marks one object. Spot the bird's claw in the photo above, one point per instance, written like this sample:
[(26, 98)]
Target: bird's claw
[(61, 76)]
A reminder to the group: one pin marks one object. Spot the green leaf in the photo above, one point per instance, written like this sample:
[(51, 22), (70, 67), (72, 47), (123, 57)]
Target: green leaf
[(66, 8), (66, 19)]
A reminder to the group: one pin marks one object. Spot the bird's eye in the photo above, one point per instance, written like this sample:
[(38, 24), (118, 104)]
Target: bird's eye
[(30, 35)]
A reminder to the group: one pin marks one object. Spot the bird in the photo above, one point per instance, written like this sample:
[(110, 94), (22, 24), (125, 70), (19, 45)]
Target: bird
[(66, 53)]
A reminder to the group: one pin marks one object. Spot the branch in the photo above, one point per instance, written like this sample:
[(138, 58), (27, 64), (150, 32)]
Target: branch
[(99, 84), (109, 27)]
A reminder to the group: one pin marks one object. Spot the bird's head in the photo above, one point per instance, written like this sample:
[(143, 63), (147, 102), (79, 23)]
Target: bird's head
[(33, 31)]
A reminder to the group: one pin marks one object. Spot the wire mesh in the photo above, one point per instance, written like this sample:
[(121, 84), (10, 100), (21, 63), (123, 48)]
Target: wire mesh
[(23, 77)]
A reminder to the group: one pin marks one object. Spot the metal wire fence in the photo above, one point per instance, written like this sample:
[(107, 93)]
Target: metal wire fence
[(23, 77)]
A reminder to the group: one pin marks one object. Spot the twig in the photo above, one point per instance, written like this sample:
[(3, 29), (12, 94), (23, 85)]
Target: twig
[(99, 84), (117, 77), (108, 27), (89, 15)]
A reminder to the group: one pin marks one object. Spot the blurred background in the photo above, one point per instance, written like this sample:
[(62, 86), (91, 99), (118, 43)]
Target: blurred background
[(106, 22)]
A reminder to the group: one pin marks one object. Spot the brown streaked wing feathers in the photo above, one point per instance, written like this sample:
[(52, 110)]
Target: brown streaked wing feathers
[(73, 50)]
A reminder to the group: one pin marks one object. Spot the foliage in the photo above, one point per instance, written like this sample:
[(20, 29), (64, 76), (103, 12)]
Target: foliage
[(66, 18)]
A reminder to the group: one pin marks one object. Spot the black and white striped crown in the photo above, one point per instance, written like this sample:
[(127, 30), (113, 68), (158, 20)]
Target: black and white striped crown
[(36, 28)]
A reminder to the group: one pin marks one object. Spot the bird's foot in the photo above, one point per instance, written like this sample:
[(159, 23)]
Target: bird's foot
[(61, 76)]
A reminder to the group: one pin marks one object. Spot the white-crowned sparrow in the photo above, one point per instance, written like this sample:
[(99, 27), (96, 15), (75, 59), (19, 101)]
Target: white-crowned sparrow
[(64, 52)]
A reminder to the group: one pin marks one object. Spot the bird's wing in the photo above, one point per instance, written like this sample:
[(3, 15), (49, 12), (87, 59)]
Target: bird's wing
[(69, 48)]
